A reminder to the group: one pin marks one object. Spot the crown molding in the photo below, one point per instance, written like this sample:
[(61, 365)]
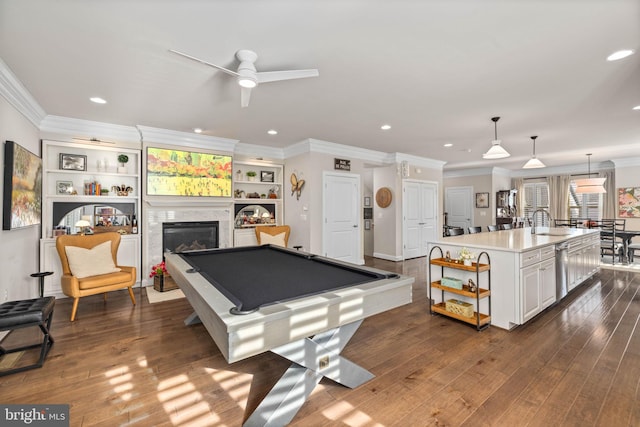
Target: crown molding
[(18, 96), (258, 151), (416, 161), (458, 173), (627, 162), (152, 135), (331, 148), (73, 130)]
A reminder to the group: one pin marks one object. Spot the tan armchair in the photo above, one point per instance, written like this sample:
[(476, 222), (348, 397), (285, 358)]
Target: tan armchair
[(76, 287), (274, 231)]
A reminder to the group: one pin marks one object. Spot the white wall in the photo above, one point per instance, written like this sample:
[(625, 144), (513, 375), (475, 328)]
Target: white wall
[(19, 248)]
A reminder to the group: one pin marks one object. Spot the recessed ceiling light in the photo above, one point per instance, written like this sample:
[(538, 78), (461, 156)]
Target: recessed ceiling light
[(637, 107), (448, 144), (97, 100), (197, 130), (620, 54), (385, 127), (272, 132)]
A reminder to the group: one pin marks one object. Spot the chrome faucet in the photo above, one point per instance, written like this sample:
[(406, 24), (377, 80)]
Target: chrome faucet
[(533, 219)]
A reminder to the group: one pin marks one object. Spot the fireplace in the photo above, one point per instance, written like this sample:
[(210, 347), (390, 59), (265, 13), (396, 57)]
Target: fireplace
[(189, 236)]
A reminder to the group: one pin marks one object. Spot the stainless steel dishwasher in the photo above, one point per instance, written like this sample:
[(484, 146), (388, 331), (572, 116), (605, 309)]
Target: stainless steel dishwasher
[(562, 269)]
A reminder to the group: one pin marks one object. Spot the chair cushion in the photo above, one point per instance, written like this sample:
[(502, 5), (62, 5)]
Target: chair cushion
[(278, 239), (101, 280), (91, 262)]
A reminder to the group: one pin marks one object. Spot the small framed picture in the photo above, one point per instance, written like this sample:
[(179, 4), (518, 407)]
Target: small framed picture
[(367, 224), (64, 187), (73, 162), (266, 176), (482, 200), (367, 201)]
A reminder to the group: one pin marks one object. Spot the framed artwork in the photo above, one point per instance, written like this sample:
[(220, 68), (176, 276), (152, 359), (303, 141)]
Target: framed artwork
[(629, 202), (266, 176), (188, 173), (22, 190), (482, 200), (367, 201), (73, 162), (64, 187)]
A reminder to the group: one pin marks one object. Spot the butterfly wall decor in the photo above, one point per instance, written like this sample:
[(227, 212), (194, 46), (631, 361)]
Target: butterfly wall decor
[(296, 186)]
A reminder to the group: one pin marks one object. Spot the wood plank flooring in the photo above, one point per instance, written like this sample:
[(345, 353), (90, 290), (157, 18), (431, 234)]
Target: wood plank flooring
[(576, 364)]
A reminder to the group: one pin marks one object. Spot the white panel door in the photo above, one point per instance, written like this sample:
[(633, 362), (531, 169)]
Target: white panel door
[(457, 205), (341, 205), (412, 220), (420, 217)]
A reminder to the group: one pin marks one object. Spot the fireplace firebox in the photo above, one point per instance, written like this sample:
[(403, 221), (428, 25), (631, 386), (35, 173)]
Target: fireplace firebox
[(189, 236)]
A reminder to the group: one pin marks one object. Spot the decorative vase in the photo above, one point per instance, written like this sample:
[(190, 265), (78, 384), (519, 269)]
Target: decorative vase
[(122, 169), (468, 262)]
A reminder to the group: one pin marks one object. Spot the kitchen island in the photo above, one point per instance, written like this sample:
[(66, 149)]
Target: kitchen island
[(528, 272)]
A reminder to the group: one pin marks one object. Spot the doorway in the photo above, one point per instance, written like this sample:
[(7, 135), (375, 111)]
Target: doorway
[(420, 217), (341, 235), (458, 206)]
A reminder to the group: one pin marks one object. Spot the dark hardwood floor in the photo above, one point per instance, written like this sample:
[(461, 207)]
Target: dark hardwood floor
[(578, 363)]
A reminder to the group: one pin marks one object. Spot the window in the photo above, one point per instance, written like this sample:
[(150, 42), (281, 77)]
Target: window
[(583, 206), (536, 196)]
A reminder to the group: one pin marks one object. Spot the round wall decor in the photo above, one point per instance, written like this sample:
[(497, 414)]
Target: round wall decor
[(383, 197)]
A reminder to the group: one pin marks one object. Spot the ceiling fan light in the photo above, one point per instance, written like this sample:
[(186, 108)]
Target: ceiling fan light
[(533, 163), (247, 82), (496, 151)]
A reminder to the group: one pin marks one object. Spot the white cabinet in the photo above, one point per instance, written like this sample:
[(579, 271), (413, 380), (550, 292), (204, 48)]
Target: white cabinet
[(244, 237), (537, 281)]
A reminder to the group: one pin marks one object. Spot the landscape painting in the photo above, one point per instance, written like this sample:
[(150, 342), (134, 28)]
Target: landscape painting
[(187, 173), (22, 191)]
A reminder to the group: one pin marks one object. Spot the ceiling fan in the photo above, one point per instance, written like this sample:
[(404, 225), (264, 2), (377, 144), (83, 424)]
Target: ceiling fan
[(249, 77)]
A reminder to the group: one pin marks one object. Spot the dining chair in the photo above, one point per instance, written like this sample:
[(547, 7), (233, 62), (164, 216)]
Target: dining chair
[(456, 231), (474, 230), (506, 226), (492, 227)]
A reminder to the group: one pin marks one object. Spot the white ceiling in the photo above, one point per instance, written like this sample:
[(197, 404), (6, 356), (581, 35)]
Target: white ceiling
[(436, 71)]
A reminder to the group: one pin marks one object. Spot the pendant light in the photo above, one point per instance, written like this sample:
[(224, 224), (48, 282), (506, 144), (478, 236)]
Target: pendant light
[(496, 151), (590, 185), (533, 162)]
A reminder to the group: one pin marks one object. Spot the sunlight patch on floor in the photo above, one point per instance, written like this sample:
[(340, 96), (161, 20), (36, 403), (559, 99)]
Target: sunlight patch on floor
[(184, 404), (120, 378), (346, 414), (235, 384)]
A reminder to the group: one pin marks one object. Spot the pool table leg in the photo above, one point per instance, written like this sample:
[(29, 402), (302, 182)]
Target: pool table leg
[(313, 358)]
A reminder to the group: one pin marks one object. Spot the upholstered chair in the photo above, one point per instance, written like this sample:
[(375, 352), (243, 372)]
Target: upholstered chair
[(273, 234), (90, 266)]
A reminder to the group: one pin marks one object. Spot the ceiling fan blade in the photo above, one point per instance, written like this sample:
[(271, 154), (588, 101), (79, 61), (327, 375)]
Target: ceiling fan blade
[(245, 95), (274, 76), (193, 58)]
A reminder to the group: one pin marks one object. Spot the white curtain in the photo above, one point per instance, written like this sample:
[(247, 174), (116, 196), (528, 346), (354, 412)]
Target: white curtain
[(559, 196), (610, 198)]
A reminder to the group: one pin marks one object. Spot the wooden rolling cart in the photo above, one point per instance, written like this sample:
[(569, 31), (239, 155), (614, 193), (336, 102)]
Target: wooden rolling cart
[(479, 320)]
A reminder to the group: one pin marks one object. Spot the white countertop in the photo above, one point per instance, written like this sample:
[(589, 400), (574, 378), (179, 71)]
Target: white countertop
[(516, 240)]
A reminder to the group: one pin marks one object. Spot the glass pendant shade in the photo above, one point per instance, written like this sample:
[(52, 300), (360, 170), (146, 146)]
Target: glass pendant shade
[(533, 162), (496, 151)]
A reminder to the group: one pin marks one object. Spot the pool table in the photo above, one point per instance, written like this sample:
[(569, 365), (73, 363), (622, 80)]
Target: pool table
[(301, 306)]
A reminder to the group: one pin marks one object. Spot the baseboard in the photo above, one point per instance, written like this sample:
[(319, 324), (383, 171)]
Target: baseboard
[(387, 257)]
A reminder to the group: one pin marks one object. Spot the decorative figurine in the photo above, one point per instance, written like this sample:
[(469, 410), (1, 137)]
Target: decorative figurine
[(472, 286)]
